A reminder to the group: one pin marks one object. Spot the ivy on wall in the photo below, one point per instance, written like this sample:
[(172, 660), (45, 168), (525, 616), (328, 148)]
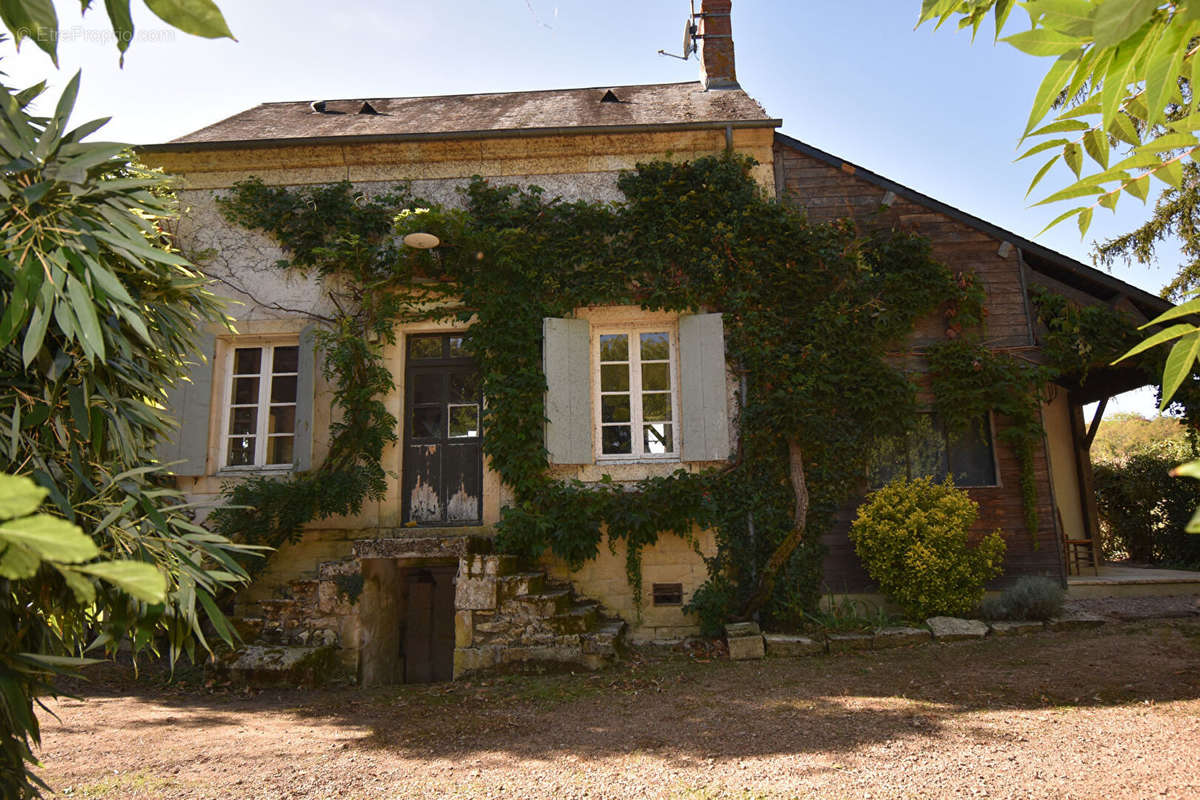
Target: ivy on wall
[(812, 314)]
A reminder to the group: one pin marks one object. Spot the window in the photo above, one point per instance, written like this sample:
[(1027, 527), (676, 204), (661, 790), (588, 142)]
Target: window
[(929, 450), (259, 428), (636, 402)]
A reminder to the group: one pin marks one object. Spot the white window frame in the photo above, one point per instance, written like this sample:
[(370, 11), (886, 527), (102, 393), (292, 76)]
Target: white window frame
[(261, 436), (633, 330)]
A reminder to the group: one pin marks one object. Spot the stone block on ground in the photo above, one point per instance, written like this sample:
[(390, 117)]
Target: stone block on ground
[(266, 665), (789, 646), (951, 629), (901, 637), (745, 648), (849, 642), (1077, 620), (1015, 628), (473, 659), (734, 629)]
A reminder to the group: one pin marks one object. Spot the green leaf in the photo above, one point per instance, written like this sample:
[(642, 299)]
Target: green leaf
[(1181, 310), (1193, 525), (1169, 141), (1179, 366), (1073, 155), (1170, 173), (1044, 42), (17, 562), (122, 24), (1139, 187), (1056, 78), (1042, 147), (34, 335), (1116, 20), (1072, 17), (1084, 221), (135, 578), (1041, 173), (1115, 82), (85, 313), (32, 19), (1061, 217), (1061, 126), (1173, 332), (1189, 470), (1162, 70), (19, 496), (197, 17), (1096, 144), (1078, 189), (1109, 200), (53, 539), (81, 587), (1122, 127)]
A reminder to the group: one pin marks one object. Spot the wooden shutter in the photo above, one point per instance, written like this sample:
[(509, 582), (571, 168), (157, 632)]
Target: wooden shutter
[(566, 359), (190, 403), (702, 394), (305, 398)]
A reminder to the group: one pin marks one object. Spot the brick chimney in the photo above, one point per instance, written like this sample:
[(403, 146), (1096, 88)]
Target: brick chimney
[(716, 45)]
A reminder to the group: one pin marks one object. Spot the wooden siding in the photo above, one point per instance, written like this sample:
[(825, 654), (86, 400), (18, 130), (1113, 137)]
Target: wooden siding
[(826, 192)]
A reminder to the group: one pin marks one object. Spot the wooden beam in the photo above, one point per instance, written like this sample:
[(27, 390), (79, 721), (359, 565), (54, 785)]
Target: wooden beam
[(1095, 426), (1083, 463)]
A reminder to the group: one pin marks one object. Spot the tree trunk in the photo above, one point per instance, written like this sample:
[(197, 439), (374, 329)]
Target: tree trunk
[(766, 579)]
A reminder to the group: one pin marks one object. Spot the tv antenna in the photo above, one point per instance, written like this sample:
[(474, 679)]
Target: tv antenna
[(689, 37)]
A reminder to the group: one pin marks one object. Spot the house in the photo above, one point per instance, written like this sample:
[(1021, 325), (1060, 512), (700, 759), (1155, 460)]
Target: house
[(431, 604)]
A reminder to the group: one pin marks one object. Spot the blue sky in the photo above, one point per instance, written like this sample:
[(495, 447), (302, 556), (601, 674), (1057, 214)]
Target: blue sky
[(929, 110)]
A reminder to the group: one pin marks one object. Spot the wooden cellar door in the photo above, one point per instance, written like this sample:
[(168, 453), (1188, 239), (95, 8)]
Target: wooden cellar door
[(429, 625)]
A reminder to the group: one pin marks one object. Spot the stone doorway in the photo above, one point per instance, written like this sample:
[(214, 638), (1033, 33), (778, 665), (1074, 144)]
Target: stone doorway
[(407, 616)]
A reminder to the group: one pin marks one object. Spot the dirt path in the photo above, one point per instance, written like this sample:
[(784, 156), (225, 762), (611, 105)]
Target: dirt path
[(1111, 713)]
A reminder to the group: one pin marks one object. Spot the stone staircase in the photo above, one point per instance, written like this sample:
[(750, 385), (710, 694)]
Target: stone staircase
[(511, 620)]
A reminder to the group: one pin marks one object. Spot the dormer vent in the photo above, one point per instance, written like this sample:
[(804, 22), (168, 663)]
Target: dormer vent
[(610, 97), (367, 108), (318, 106)]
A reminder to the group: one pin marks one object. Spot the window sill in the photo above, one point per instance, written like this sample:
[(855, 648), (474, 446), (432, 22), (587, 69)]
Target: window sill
[(226, 472)]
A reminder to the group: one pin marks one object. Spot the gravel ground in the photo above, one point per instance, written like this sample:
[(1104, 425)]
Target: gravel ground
[(1135, 608), (1107, 713)]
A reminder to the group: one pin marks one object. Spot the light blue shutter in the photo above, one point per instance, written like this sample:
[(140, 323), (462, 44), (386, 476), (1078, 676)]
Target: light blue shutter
[(566, 359), (702, 388), (190, 403), (305, 398)]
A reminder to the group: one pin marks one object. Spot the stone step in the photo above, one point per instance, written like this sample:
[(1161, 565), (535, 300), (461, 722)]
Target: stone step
[(547, 604), (606, 638), (580, 618), (520, 583)]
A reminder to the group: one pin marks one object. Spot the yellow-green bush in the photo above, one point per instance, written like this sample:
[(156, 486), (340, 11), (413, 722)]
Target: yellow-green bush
[(912, 539)]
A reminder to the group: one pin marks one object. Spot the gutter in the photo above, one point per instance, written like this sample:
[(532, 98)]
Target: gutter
[(504, 133)]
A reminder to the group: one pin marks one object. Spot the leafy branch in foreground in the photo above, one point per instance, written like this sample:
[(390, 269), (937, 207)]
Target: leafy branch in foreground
[(1127, 66)]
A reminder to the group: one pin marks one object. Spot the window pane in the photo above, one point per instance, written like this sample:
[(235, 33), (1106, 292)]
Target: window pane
[(427, 422), (656, 346), (243, 421), (425, 347), (464, 421), (279, 449), (656, 377), (656, 407), (464, 387), (888, 462), (657, 439), (282, 419), (927, 449), (614, 378), (970, 456), (283, 389), (614, 408), (241, 452), (616, 439), (247, 360), (458, 347), (614, 347), (287, 359), (245, 391)]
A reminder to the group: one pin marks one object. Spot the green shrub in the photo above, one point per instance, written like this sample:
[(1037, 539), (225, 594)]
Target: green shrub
[(912, 539), (1032, 597), (1143, 510)]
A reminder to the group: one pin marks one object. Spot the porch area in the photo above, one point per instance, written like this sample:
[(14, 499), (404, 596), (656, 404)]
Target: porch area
[(1120, 580)]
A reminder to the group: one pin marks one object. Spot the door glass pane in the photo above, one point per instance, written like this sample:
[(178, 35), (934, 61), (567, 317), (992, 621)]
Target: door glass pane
[(425, 347), (616, 439), (614, 408), (245, 391), (656, 407), (241, 452), (614, 347), (657, 439), (427, 422), (656, 377), (458, 347), (279, 449), (614, 378), (247, 360), (283, 389), (656, 346), (464, 420), (427, 387), (287, 359), (464, 387)]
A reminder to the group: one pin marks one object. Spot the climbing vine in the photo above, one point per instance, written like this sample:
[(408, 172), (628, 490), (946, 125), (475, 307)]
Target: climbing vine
[(813, 315)]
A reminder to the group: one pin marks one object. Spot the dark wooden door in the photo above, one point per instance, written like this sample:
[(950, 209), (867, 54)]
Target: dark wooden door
[(429, 624), (443, 437)]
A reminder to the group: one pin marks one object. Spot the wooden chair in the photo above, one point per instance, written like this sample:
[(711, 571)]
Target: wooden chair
[(1078, 552)]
